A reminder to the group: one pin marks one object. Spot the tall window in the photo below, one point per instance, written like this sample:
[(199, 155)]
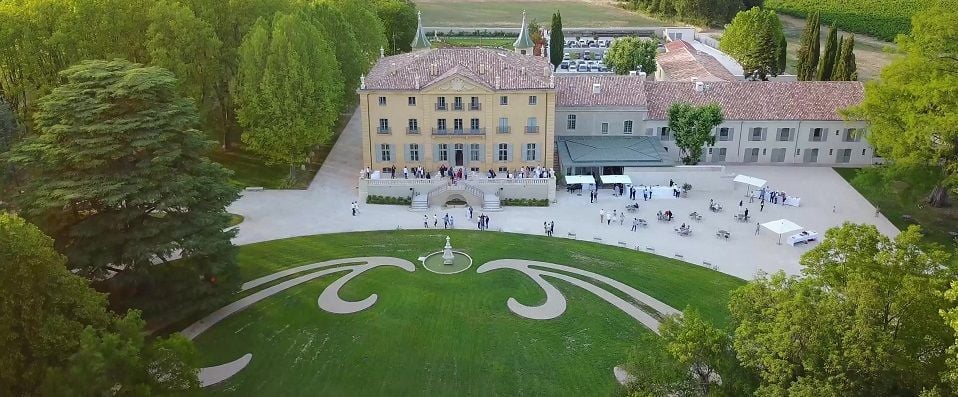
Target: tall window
[(443, 152), (412, 101), (817, 135), (852, 135), (725, 134), (503, 152), (664, 133), (503, 100), (474, 152), (570, 122), (474, 124), (533, 99), (530, 152), (441, 124), (413, 126), (474, 103), (457, 124), (383, 126), (413, 152), (457, 103), (441, 103), (756, 134), (784, 134), (503, 125), (382, 101), (386, 153), (605, 128), (627, 127), (532, 125)]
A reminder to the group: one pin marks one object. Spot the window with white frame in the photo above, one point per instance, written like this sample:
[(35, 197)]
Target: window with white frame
[(604, 128), (665, 133), (457, 124), (441, 124), (443, 152), (503, 152), (383, 126), (474, 149), (503, 100), (474, 124), (725, 134), (386, 153), (627, 127), (784, 134), (533, 99), (756, 135), (412, 101), (530, 152), (413, 152), (413, 126), (570, 122)]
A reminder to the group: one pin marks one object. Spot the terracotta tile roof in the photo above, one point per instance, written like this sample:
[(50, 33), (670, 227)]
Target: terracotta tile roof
[(576, 90), (759, 100), (681, 62), (514, 71)]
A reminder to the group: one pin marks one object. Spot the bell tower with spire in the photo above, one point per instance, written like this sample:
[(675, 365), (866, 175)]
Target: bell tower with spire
[(524, 44), (420, 42)]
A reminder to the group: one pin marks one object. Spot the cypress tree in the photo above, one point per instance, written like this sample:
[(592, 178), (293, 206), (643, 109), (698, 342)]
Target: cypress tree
[(827, 64), (556, 41), (845, 67), (782, 50), (808, 52)]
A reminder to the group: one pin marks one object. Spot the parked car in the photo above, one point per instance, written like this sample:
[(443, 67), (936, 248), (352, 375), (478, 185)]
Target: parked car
[(564, 65), (582, 68), (602, 43), (603, 69), (594, 68), (587, 55), (565, 56), (583, 43)]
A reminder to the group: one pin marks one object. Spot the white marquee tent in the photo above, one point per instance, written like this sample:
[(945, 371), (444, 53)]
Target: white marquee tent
[(781, 227), (583, 179), (750, 180), (623, 179)]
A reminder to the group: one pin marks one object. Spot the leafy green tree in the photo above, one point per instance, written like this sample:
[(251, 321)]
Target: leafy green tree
[(556, 41), (118, 177), (912, 109), (399, 22), (695, 344), (367, 28), (809, 51), (845, 65), (692, 126), (657, 373), (632, 53), (863, 321), (755, 39), (57, 337), (951, 317), (331, 22), (289, 89), (8, 127), (827, 65)]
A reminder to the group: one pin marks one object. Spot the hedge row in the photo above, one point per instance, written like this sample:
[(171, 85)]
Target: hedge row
[(373, 199), (883, 19), (525, 202)]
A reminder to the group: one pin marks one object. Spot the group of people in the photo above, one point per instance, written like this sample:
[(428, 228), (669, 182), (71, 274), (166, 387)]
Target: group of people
[(664, 216), (483, 223), (355, 207), (524, 172), (608, 218), (549, 228), (448, 221)]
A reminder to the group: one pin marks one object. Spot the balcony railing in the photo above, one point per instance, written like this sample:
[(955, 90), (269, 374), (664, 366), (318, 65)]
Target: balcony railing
[(412, 131), (471, 131), (475, 106), (503, 129), (440, 106), (532, 129), (385, 130), (457, 106)]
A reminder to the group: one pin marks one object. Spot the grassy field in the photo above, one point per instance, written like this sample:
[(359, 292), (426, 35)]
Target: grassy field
[(443, 335), (897, 198), (879, 18), (475, 42), (500, 13)]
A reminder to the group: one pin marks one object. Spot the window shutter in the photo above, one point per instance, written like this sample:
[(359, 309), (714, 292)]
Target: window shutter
[(825, 132), (435, 152), (406, 156), (538, 153), (509, 152), (764, 133), (451, 153), (482, 157), (379, 153)]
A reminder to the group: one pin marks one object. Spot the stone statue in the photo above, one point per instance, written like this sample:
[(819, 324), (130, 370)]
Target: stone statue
[(447, 255)]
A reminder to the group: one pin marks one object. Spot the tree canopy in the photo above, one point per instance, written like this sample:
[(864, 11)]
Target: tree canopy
[(117, 175), (714, 13), (632, 53), (808, 53), (912, 109), (692, 127), (289, 88), (556, 41), (756, 40), (57, 338), (826, 67), (399, 22)]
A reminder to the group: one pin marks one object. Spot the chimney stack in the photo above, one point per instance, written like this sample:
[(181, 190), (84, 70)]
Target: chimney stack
[(632, 73), (642, 75), (434, 70), (699, 86), (596, 88)]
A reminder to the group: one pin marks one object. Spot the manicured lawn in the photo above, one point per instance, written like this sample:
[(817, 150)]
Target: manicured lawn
[(500, 13), (431, 334), (900, 198), (476, 41)]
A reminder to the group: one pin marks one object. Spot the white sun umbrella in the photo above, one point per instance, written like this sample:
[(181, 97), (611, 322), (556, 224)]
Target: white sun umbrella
[(751, 181), (584, 179), (623, 179), (781, 227)]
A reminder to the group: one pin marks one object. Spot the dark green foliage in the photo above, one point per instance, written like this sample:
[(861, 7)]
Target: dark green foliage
[(827, 65), (756, 40), (714, 13), (845, 66), (692, 126), (374, 199), (399, 22), (8, 127), (632, 53), (520, 202), (58, 339), (118, 177), (883, 19), (556, 41), (807, 64), (345, 44)]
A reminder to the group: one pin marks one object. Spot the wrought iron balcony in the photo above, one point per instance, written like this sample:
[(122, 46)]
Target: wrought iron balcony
[(457, 132), (440, 106), (503, 129), (385, 130), (532, 129)]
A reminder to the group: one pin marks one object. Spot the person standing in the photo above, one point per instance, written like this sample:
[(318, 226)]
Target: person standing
[(552, 228), (761, 206), (746, 214), (635, 224), (445, 221), (452, 222), (435, 220), (602, 216), (405, 172), (425, 221), (758, 227), (591, 196), (621, 218), (487, 223), (545, 228)]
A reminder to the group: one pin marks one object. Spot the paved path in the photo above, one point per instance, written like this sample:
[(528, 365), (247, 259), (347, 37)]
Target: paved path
[(325, 208)]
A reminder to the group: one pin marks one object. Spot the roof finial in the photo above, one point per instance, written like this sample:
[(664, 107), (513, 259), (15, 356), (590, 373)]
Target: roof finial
[(420, 42)]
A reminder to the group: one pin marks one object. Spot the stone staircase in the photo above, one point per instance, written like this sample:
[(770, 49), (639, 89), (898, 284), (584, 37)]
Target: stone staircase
[(472, 195), (420, 203)]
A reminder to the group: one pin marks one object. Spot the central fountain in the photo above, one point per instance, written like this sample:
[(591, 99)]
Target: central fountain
[(447, 261)]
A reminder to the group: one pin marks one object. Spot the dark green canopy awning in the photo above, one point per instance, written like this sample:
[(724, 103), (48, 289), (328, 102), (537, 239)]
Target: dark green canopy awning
[(612, 151)]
